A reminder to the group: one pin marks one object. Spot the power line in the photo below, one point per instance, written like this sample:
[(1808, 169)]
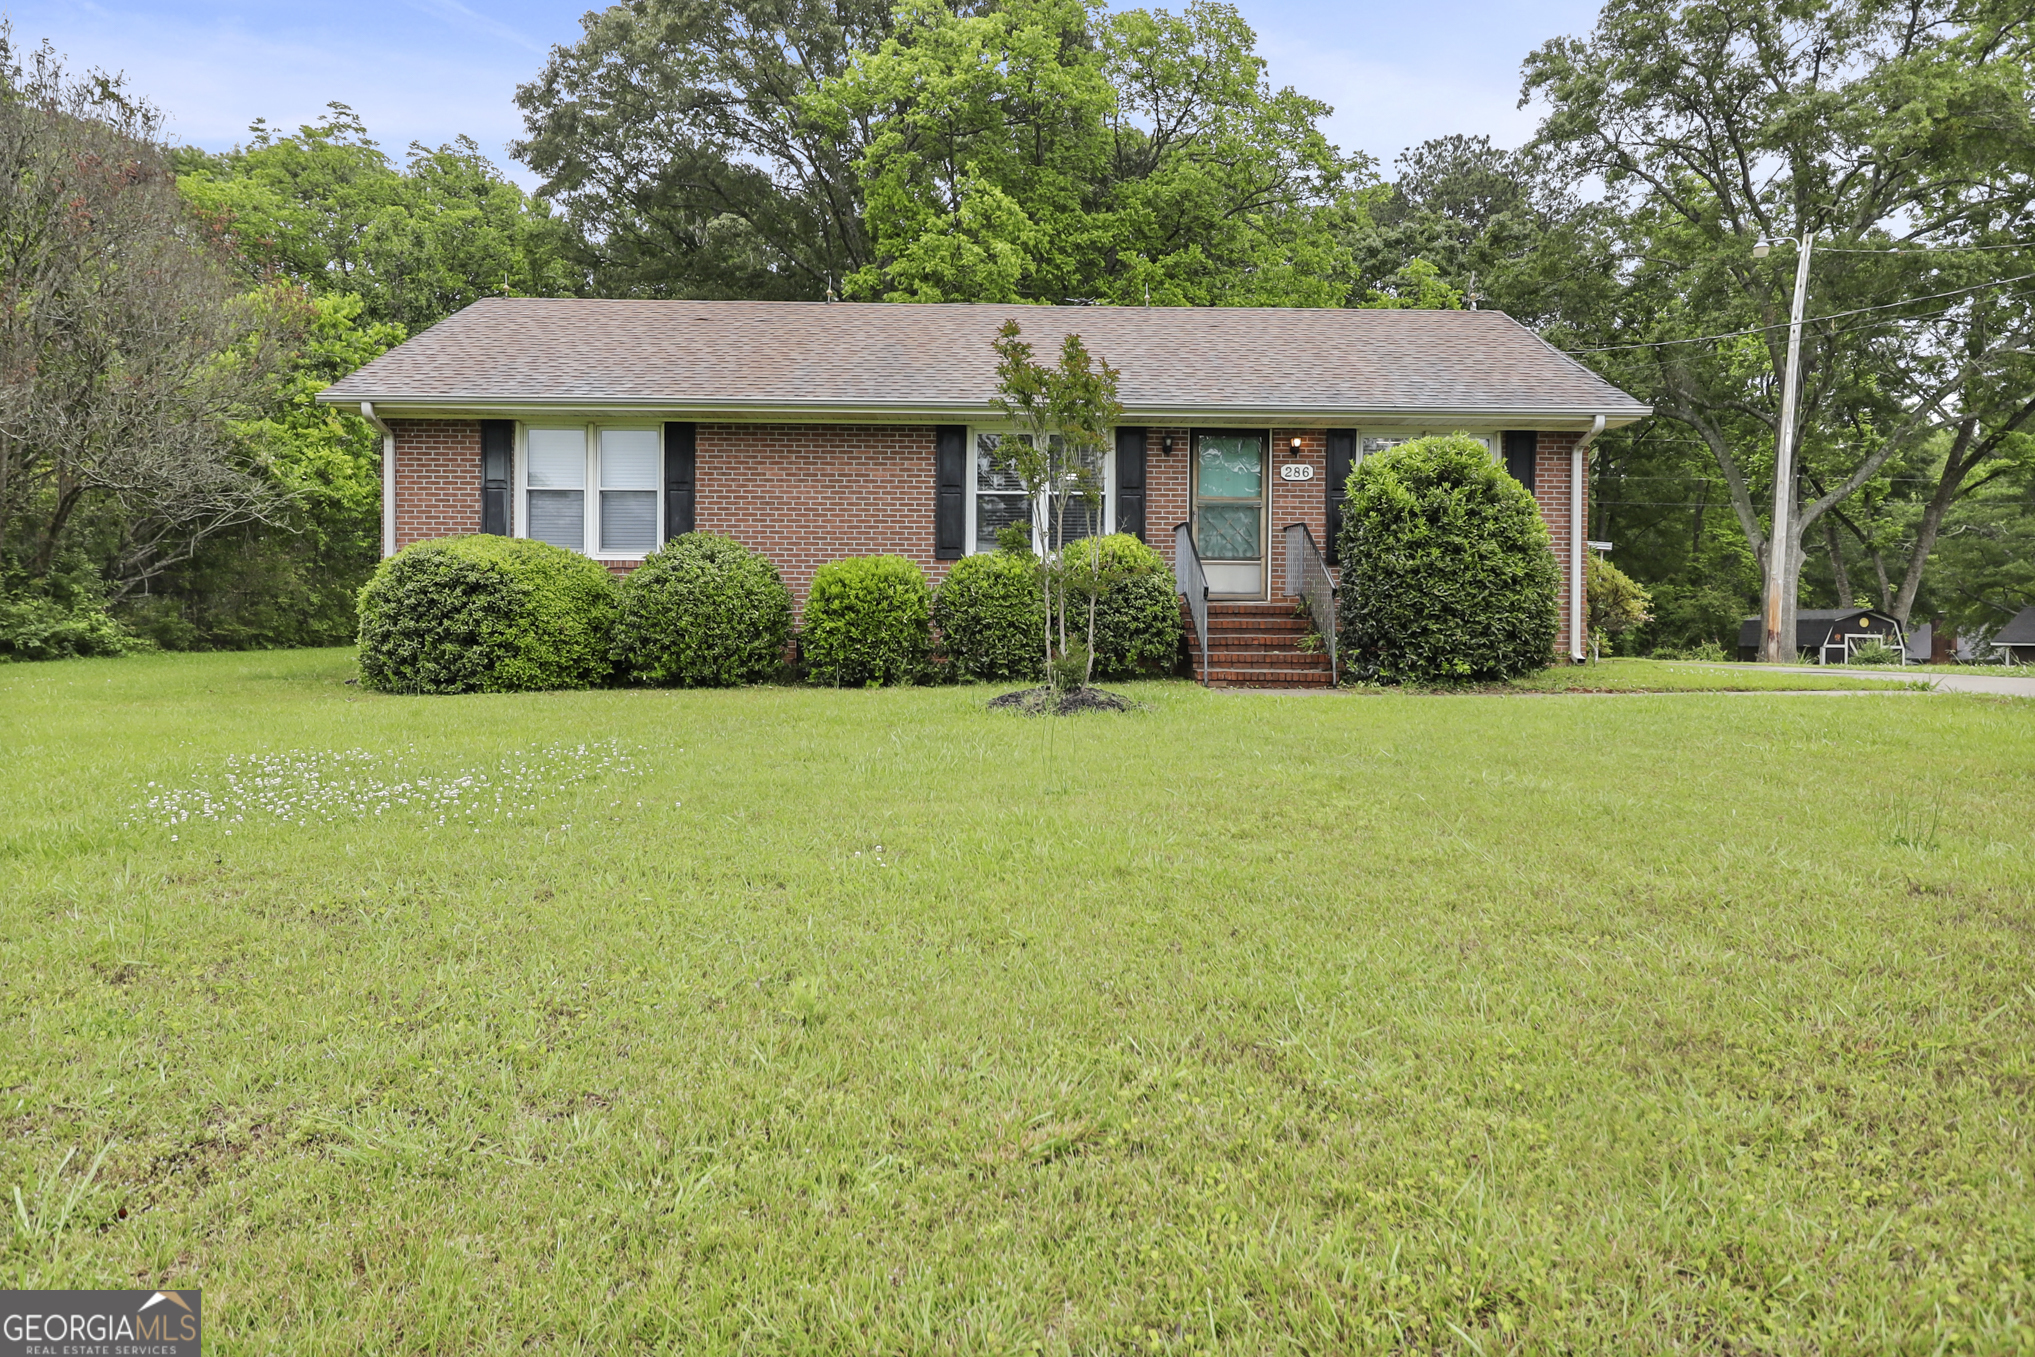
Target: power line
[(1834, 315), (1921, 249)]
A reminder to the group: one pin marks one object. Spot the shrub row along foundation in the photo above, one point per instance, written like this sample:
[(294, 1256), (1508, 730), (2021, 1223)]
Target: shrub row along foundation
[(482, 613)]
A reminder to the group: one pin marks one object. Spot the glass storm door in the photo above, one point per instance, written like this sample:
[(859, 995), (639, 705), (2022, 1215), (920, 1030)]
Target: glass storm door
[(1229, 512)]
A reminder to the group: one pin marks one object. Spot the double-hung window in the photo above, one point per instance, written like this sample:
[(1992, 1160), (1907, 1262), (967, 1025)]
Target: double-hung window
[(555, 507), (1058, 515), (629, 463), (1000, 498), (593, 489)]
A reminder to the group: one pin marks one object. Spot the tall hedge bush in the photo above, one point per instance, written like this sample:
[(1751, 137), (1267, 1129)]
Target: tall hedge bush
[(1448, 571), (485, 614), (703, 611), (867, 621), (991, 617)]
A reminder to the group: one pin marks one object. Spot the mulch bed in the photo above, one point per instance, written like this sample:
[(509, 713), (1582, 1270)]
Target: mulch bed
[(1044, 701)]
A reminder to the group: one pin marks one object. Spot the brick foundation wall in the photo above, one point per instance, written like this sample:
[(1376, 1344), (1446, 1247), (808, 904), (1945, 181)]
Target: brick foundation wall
[(437, 478)]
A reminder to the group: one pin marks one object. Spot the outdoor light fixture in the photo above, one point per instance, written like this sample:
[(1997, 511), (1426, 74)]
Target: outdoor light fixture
[(1296, 443), (1166, 445), (1762, 250)]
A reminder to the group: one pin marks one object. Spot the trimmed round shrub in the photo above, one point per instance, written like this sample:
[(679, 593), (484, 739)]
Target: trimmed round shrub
[(991, 613), (702, 611), (992, 617), (867, 621), (1137, 623), (486, 614), (1448, 571)]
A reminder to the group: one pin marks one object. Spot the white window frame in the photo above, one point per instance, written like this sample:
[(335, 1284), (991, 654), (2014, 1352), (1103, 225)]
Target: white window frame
[(974, 547), (590, 504)]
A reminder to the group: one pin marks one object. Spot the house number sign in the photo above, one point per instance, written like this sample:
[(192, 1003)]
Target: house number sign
[(1296, 471)]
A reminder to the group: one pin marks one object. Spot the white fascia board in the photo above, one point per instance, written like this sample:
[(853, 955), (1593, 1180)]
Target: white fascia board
[(1494, 417)]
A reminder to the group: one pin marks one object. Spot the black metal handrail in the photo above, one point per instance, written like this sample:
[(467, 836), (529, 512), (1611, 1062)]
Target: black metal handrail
[(1192, 582), (1307, 579)]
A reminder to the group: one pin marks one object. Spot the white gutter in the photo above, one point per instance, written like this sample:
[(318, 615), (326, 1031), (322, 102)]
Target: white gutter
[(1440, 418), (1579, 598), (388, 478)]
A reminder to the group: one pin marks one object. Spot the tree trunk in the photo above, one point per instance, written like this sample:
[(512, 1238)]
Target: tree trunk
[(1836, 550), (69, 493), (1956, 467), (1094, 594)]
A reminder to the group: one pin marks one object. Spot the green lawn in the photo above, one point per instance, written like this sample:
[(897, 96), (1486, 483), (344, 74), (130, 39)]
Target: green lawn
[(1667, 676), (814, 1021)]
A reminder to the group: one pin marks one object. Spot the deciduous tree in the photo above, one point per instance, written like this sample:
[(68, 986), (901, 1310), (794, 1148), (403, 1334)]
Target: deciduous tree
[(128, 355), (677, 136), (1900, 134), (326, 208), (1047, 150)]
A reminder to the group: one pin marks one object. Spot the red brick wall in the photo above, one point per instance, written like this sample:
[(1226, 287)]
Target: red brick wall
[(1167, 483), (806, 494), (801, 494), (437, 478), (1165, 487), (1296, 501), (1551, 489)]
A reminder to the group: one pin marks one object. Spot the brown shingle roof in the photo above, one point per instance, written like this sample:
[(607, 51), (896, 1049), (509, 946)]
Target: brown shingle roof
[(811, 356)]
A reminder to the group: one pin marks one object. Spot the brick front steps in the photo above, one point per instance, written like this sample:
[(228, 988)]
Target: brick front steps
[(1257, 645)]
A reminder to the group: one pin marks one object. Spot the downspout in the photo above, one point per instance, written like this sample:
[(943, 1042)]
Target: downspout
[(1579, 598), (388, 477)]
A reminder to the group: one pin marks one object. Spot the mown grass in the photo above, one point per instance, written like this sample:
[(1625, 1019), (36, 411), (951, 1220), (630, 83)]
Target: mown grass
[(1666, 676), (872, 1021)]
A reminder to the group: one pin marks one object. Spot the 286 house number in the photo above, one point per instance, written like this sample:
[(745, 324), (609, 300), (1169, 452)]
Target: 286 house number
[(1296, 471)]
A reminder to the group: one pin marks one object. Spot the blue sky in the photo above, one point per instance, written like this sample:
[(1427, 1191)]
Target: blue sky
[(428, 70)]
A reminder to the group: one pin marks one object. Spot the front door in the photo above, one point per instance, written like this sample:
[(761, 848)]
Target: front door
[(1229, 511)]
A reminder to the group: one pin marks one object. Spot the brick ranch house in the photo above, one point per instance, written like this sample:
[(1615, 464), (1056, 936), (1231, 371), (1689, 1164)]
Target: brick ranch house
[(815, 431)]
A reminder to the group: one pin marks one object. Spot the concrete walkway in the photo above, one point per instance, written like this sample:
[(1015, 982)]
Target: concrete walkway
[(1943, 680)]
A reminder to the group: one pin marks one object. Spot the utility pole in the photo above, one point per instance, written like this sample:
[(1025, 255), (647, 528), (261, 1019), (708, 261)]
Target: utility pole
[(1780, 612)]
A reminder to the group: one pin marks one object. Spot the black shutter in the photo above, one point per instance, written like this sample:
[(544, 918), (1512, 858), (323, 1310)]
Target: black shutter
[(680, 455), (1342, 457), (497, 474), (1522, 448), (1130, 482), (950, 492)]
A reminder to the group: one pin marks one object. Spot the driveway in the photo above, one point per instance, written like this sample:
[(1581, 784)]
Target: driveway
[(1944, 680)]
